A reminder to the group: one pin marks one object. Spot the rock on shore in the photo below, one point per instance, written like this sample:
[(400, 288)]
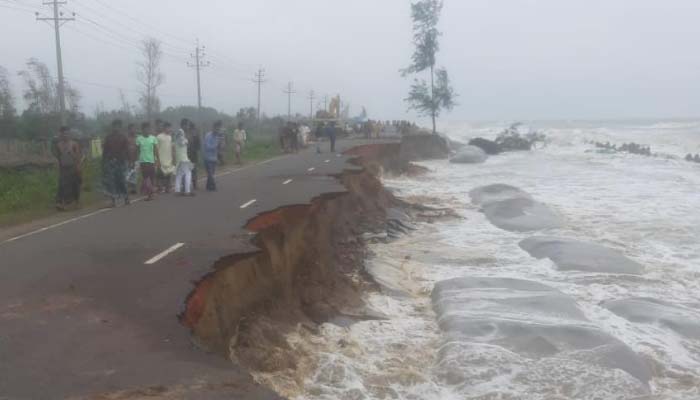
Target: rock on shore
[(488, 146), (469, 155)]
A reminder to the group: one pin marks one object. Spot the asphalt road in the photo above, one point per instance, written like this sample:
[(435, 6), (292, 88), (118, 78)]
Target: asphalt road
[(90, 306)]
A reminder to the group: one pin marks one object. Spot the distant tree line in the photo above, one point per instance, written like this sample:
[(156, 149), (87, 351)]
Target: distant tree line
[(40, 120)]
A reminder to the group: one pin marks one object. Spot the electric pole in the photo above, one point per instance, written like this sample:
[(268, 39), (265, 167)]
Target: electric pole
[(259, 80), (289, 91), (311, 98), (198, 64), (58, 19)]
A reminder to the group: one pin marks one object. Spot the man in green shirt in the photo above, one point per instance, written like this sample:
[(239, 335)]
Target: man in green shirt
[(148, 159)]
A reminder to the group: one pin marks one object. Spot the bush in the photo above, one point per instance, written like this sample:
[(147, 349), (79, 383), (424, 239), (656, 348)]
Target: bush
[(511, 139)]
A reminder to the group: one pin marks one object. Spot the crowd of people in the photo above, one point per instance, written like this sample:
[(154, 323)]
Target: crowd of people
[(293, 136), (157, 158), (165, 159)]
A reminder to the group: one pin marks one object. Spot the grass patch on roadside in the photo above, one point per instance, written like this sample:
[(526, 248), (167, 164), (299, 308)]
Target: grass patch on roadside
[(29, 193), (254, 150)]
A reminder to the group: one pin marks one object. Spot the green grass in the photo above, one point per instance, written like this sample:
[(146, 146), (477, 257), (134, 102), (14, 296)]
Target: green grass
[(254, 150), (29, 194)]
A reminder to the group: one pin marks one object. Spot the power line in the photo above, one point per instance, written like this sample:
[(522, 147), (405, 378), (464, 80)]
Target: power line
[(122, 38), (107, 5), (130, 27), (58, 19), (17, 7), (102, 85), (130, 48)]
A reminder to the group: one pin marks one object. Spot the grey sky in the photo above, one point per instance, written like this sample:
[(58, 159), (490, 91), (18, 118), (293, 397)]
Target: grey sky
[(508, 59)]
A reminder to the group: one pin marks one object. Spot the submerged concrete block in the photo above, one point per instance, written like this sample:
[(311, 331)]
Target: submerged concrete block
[(575, 255), (531, 320)]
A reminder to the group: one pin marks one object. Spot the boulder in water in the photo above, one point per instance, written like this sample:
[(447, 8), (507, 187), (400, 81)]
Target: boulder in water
[(488, 146), (683, 321), (530, 319), (469, 155), (569, 254)]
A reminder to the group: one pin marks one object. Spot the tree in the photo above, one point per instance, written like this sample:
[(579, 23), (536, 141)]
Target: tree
[(126, 106), (428, 99), (7, 105), (247, 116), (40, 93), (42, 116), (150, 77)]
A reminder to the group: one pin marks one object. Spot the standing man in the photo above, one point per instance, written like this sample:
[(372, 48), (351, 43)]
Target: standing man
[(67, 152), (148, 159), (224, 144), (212, 144), (194, 146), (330, 131), (183, 166), (320, 131), (131, 175), (239, 139), (165, 156), (294, 136), (115, 157)]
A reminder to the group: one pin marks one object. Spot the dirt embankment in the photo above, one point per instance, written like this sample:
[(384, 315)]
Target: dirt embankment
[(308, 268)]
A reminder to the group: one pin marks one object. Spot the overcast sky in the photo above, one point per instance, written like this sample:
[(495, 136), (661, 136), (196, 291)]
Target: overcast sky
[(508, 59)]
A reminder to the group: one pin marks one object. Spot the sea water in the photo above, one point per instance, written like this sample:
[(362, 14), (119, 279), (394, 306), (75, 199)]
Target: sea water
[(648, 208)]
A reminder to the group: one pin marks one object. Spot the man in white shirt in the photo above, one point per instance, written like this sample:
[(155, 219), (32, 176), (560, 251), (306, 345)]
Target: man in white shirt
[(239, 139)]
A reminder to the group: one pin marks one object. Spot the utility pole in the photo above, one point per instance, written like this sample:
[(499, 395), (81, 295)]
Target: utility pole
[(58, 19), (325, 103), (289, 91), (259, 80), (312, 97), (198, 64)]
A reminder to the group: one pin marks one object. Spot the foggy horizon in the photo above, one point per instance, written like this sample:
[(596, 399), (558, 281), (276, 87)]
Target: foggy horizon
[(508, 61)]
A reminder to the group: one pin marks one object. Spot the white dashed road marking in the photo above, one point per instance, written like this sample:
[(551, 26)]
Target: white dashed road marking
[(311, 169), (248, 204), (327, 161), (46, 228), (287, 182), (164, 254)]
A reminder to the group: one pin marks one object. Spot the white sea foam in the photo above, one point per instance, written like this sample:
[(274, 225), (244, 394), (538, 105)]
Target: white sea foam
[(648, 208)]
